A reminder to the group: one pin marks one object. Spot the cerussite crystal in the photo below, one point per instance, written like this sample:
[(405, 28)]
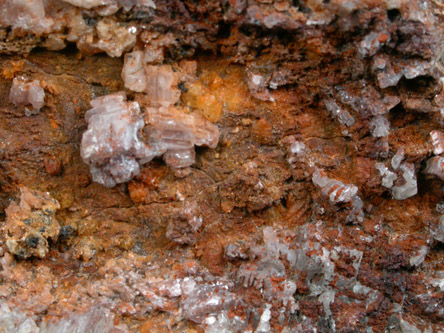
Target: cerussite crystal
[(113, 150), (111, 146), (175, 133), (27, 93), (159, 83)]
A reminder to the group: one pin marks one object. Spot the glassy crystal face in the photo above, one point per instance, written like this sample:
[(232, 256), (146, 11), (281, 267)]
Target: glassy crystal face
[(27, 93), (112, 148)]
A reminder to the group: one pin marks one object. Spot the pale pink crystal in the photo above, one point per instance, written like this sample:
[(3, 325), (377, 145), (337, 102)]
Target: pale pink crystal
[(113, 150), (111, 145), (437, 139), (435, 166), (338, 192), (24, 92), (28, 15), (159, 83)]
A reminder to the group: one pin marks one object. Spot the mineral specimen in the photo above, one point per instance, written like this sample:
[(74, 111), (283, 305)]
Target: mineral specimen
[(437, 139), (409, 188), (111, 146), (158, 82), (380, 126), (338, 192), (334, 190), (388, 177), (338, 85), (435, 166), (28, 15), (97, 319), (114, 151), (31, 223), (24, 92), (343, 116), (174, 133)]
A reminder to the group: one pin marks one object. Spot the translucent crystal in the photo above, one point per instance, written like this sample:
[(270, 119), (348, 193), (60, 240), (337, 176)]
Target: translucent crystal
[(380, 126), (372, 43), (264, 322), (388, 177), (397, 158), (420, 256), (113, 150), (224, 323), (159, 83), (133, 73), (88, 3), (409, 188), (344, 117), (438, 234), (16, 321), (437, 139), (338, 192), (435, 166), (111, 145), (28, 15), (24, 92), (175, 133), (201, 300), (389, 75), (334, 190), (96, 319)]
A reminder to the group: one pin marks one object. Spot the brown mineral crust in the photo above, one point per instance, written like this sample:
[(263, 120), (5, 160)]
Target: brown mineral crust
[(31, 224), (123, 231)]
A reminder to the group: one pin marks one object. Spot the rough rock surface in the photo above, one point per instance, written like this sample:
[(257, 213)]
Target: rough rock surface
[(31, 224), (312, 202)]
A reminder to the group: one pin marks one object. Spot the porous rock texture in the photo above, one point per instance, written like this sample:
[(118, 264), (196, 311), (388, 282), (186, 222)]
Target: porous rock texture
[(315, 205)]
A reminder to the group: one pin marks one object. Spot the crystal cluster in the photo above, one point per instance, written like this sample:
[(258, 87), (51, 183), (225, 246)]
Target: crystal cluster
[(405, 188), (435, 165), (159, 83), (114, 151), (28, 15), (437, 139), (344, 117), (95, 320), (338, 192), (111, 145), (389, 74), (111, 6), (174, 134), (31, 223), (24, 92)]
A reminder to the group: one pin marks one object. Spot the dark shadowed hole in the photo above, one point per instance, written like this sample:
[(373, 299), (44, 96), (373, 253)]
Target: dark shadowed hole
[(393, 14)]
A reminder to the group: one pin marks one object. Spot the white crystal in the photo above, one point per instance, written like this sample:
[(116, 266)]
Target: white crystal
[(398, 158), (111, 145), (388, 177), (419, 258), (264, 322), (435, 166), (380, 126), (344, 117), (437, 139), (24, 92), (335, 190), (409, 188), (133, 73)]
